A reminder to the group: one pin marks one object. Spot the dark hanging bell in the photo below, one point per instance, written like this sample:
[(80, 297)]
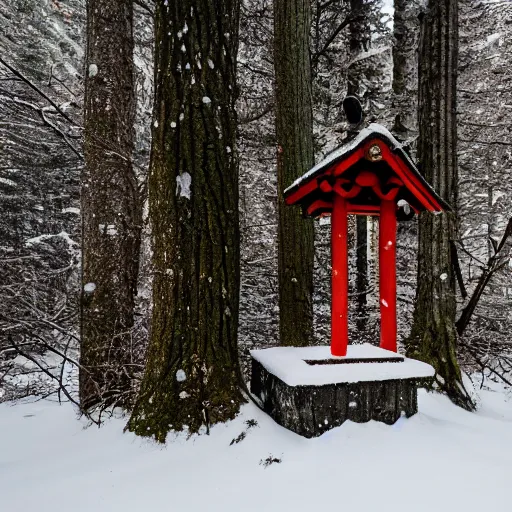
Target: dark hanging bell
[(353, 110)]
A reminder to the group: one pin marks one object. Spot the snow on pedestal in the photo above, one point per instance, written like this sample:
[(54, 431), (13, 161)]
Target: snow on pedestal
[(308, 391)]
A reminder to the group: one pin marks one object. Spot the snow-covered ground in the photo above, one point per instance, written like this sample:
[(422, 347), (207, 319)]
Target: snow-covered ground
[(443, 459)]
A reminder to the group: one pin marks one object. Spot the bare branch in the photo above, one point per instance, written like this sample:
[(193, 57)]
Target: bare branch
[(495, 263), (332, 37), (144, 6), (39, 91)]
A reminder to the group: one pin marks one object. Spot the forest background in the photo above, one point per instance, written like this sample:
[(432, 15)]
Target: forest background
[(41, 142)]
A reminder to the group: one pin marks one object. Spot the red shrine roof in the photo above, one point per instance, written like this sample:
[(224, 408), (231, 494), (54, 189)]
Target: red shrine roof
[(370, 168)]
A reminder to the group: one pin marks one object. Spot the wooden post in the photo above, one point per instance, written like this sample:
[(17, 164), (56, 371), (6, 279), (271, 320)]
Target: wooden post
[(387, 270), (339, 256)]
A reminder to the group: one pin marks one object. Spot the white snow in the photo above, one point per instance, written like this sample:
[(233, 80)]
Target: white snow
[(493, 37), (43, 238), (183, 182), (402, 203), (89, 287), (289, 365), (206, 100), (71, 209), (93, 70), (6, 181), (497, 195), (109, 229), (366, 55), (335, 155), (443, 459), (388, 9), (181, 376)]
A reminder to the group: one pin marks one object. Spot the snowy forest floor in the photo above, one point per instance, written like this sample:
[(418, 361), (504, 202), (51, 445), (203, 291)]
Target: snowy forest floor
[(442, 459)]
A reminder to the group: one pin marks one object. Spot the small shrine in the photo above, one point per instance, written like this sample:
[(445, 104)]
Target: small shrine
[(372, 175), (312, 389)]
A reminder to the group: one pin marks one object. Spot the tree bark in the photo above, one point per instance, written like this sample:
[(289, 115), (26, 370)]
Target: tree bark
[(294, 132), (111, 212), (360, 37), (433, 337), (192, 372), (359, 42), (405, 61)]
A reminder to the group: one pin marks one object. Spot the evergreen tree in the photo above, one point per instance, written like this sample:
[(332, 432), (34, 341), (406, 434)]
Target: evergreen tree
[(360, 39), (111, 211), (295, 155), (433, 336), (405, 65), (40, 84), (192, 372)]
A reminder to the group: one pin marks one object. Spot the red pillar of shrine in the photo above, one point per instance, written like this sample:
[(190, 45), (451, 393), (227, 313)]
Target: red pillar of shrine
[(339, 258), (387, 271)]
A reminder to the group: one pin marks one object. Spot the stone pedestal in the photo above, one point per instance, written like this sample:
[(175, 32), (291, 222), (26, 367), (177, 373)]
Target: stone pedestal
[(308, 391)]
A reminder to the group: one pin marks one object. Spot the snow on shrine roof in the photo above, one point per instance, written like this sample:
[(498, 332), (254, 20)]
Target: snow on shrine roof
[(337, 154), (289, 364), (375, 131)]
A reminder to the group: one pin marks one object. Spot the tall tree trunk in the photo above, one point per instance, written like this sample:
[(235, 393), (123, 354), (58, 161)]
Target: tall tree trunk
[(192, 372), (405, 64), (294, 132), (359, 42), (433, 337), (360, 37), (111, 213)]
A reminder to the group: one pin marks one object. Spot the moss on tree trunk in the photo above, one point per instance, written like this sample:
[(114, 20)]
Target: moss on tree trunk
[(192, 370), (433, 337), (111, 212), (294, 132)]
